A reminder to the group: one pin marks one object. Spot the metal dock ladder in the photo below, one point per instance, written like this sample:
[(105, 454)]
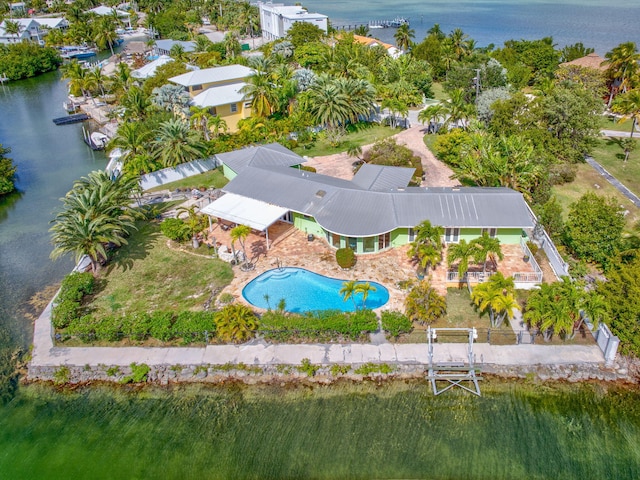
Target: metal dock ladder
[(453, 373)]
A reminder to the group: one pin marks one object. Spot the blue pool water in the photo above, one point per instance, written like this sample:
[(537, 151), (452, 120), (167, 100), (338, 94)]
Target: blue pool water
[(305, 291)]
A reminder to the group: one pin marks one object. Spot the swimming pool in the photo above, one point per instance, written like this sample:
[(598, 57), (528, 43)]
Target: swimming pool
[(305, 291)]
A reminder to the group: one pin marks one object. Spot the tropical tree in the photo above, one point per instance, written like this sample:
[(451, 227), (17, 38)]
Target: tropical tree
[(423, 303), (348, 291), (132, 138), (97, 78), (7, 172), (171, 98), (459, 42), (77, 76), (364, 289), (262, 92), (235, 323), (217, 125), (176, 144), (488, 247), (628, 104), (95, 213), (200, 119), (404, 36), (497, 296), (622, 66), (427, 245), (136, 104), (432, 114), (13, 28), (240, 233), (105, 33), (195, 222), (462, 252)]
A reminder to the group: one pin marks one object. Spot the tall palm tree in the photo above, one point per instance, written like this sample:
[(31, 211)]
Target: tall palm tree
[(364, 289), (262, 93), (97, 78), (628, 104), (235, 323), (348, 291), (459, 41), (488, 247), (132, 138), (462, 252), (77, 77), (240, 233), (105, 33), (622, 65), (457, 108), (176, 143), (136, 104), (404, 36), (427, 245), (13, 28), (496, 296)]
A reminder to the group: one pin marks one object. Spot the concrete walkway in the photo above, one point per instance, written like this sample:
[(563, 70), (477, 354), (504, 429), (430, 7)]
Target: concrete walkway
[(614, 181), (259, 353)]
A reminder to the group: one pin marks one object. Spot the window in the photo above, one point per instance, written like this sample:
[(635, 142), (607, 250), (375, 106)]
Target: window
[(369, 244), (384, 241), (452, 235), (247, 105), (335, 240), (196, 87), (234, 107), (491, 231), (353, 243)]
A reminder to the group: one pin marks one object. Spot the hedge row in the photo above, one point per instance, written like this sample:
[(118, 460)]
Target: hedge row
[(164, 326), (68, 302), (395, 323), (318, 326)]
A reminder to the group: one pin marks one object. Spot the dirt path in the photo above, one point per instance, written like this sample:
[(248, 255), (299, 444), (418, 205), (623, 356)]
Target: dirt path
[(437, 173)]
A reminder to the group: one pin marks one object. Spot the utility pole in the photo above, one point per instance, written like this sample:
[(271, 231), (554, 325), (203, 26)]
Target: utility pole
[(476, 80)]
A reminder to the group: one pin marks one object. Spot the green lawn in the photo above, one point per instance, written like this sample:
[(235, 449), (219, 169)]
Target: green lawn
[(610, 155), (438, 91), (147, 275), (362, 136), (588, 180), (611, 123), (212, 178)]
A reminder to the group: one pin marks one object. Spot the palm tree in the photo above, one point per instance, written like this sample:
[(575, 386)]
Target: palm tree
[(193, 221), (459, 42), (348, 291), (96, 77), (622, 65), (488, 247), (404, 36), (232, 45), (457, 108), (122, 77), (432, 114), (628, 104), (13, 28), (217, 125), (462, 252), (235, 323), (262, 93), (364, 289), (497, 296), (436, 31), (423, 303), (96, 212), (240, 233), (132, 138), (77, 77), (176, 143), (105, 33), (396, 108), (427, 245), (200, 118), (135, 103)]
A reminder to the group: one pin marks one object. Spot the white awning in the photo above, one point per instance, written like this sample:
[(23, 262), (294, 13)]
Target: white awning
[(245, 211)]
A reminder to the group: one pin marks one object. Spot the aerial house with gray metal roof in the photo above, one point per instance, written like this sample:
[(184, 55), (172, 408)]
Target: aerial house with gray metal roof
[(374, 211)]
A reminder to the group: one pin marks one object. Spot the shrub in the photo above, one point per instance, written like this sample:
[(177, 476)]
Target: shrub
[(339, 369), (113, 371), (83, 327), (175, 229), (369, 368), (191, 326), (61, 376), (76, 285), (64, 313), (388, 152), (136, 326), (139, 373), (395, 323), (308, 168), (160, 325), (108, 328), (225, 298), (345, 257), (308, 368)]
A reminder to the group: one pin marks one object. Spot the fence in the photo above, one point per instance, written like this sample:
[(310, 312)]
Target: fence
[(558, 265), (528, 277), (468, 277), (171, 174)]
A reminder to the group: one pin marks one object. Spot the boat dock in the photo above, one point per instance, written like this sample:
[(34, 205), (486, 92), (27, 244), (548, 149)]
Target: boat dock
[(69, 119), (374, 24)]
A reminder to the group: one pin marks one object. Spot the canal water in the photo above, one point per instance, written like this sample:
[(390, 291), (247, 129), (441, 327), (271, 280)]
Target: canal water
[(371, 430)]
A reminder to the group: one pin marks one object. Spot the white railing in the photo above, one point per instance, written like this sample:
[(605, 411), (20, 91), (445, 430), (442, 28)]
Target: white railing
[(474, 277), (527, 277), (558, 265)]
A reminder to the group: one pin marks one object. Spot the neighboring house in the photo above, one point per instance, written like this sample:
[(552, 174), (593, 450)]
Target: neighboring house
[(103, 11), (218, 89), (374, 211), (593, 60), (374, 42), (163, 47), (149, 69), (276, 19), (32, 29)]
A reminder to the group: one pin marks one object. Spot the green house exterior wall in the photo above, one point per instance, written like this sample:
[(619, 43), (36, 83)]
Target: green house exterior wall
[(510, 235), (307, 225), (399, 237), (227, 172)]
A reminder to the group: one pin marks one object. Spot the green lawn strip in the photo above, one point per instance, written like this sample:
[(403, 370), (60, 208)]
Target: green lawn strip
[(438, 91), (588, 180), (147, 275), (612, 123), (212, 178), (365, 135), (610, 155)]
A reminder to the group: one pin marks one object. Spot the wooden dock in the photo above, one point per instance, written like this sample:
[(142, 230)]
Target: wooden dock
[(69, 119)]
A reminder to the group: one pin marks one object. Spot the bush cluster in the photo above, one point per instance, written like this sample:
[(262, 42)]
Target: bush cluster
[(322, 326), (345, 257), (68, 303), (163, 326), (175, 229), (395, 323)]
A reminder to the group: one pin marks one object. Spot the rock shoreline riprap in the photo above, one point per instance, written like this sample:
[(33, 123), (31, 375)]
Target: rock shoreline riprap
[(624, 370)]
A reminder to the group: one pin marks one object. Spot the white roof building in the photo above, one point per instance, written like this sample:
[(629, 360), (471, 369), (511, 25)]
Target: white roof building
[(276, 19), (33, 29), (214, 75), (217, 96), (149, 69), (103, 11)]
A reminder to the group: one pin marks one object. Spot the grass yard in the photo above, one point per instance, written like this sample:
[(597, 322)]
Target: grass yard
[(609, 122), (610, 155), (212, 178), (438, 91), (588, 180), (364, 135), (147, 275)]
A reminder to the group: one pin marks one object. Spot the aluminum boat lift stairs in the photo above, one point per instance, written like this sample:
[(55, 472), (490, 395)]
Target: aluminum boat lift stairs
[(453, 374)]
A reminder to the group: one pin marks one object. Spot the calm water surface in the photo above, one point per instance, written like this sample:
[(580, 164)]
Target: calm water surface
[(600, 24)]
